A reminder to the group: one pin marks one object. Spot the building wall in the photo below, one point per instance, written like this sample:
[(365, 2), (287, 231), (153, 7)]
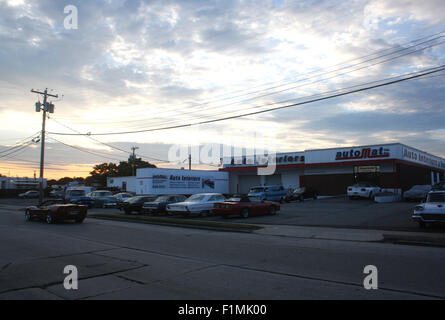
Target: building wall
[(410, 175)]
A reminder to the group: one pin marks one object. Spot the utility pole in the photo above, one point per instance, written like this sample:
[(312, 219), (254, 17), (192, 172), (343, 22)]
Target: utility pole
[(190, 161), (134, 159), (45, 107)]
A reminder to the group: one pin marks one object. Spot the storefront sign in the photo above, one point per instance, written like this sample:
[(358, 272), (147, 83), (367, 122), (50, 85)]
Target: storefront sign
[(363, 153), (179, 181), (423, 158)]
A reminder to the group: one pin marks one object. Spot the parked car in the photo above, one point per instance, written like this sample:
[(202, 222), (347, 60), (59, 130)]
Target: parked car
[(84, 200), (29, 194), (245, 207), (72, 195), (197, 204), (52, 211), (57, 193), (159, 205), (301, 194), (103, 199), (418, 192), (78, 191), (122, 196), (272, 193), (363, 190), (135, 203), (432, 210)]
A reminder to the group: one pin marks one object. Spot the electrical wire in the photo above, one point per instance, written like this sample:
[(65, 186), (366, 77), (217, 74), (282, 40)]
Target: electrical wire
[(417, 43), (416, 75)]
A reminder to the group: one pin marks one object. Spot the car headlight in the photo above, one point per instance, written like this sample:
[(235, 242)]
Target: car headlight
[(419, 208)]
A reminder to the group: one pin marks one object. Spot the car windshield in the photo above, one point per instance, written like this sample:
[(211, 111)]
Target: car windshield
[(421, 188), (104, 194), (299, 190), (196, 198), (137, 199), (436, 197), (77, 193), (125, 195), (254, 199), (162, 199), (362, 185), (256, 190)]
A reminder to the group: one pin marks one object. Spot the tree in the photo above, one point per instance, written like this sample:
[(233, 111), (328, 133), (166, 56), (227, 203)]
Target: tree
[(103, 171), (125, 168)]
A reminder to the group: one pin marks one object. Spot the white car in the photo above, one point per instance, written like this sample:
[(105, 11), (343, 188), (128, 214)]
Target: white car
[(432, 211), (363, 190), (197, 204)]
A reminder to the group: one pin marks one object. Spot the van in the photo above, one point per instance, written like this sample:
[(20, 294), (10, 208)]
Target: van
[(73, 193), (271, 193)]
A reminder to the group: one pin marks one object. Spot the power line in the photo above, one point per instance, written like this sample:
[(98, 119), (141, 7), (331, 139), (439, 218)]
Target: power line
[(417, 75), (83, 150), (315, 81), (436, 37), (107, 144)]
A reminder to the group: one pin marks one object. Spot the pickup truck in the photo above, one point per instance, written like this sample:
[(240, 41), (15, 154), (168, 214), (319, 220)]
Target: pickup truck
[(363, 190)]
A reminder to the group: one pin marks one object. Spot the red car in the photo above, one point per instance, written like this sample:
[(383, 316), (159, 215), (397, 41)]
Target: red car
[(52, 212), (245, 207)]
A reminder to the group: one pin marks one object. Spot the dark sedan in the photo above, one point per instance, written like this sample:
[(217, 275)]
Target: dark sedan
[(301, 194), (52, 212), (85, 201), (160, 203), (135, 204), (29, 194)]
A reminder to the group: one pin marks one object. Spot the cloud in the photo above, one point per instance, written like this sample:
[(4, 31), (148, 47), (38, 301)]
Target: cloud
[(144, 64)]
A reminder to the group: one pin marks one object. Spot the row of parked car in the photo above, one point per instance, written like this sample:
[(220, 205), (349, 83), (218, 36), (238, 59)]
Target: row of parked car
[(198, 204), (368, 190)]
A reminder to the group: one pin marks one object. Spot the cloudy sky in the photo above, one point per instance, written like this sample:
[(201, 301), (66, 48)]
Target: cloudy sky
[(139, 65)]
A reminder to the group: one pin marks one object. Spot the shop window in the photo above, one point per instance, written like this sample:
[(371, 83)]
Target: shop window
[(369, 174)]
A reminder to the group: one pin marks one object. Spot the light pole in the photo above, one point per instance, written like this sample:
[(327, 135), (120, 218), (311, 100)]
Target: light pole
[(45, 107)]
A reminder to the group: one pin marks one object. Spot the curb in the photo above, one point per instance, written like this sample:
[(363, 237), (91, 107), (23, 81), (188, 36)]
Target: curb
[(213, 226), (414, 240)]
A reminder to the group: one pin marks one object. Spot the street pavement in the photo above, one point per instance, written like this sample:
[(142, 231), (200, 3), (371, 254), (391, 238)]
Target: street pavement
[(120, 260)]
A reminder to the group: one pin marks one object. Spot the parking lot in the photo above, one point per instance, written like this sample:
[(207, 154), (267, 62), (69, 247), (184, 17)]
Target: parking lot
[(328, 212)]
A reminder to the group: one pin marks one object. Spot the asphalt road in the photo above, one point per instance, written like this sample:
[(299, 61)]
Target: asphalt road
[(118, 260)]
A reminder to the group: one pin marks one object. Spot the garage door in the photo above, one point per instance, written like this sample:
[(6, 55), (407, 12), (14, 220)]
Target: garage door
[(273, 180), (246, 182)]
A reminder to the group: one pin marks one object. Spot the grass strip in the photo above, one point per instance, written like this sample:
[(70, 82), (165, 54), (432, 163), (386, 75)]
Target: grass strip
[(179, 222)]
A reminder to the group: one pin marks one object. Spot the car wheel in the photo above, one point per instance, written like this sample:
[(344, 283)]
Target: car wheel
[(315, 196), (49, 218), (422, 224), (127, 211), (28, 216), (371, 196), (272, 210), (301, 198), (245, 213)]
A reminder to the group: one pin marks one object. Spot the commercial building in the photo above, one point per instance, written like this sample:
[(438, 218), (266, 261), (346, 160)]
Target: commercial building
[(331, 171), (172, 181), (11, 183)]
